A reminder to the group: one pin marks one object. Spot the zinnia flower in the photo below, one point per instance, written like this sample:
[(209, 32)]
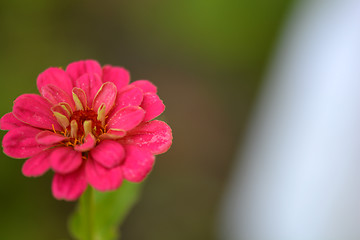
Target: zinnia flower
[(90, 126)]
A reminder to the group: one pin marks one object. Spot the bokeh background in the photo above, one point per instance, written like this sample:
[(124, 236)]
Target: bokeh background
[(207, 58)]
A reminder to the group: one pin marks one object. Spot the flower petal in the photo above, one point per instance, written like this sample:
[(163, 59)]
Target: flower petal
[(65, 160), (63, 109), (69, 186), (117, 75), (152, 105), (57, 77), (106, 95), (101, 114), (56, 95), (80, 98), (35, 111), (79, 68), (156, 136), (21, 143), (113, 134), (126, 118), (91, 84), (145, 85), (138, 163), (9, 121), (108, 153), (74, 127), (89, 143), (62, 120), (37, 165), (49, 138), (129, 96), (102, 178)]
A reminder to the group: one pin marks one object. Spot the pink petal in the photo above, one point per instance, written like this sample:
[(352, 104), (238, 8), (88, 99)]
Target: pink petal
[(62, 120), (117, 75), (138, 163), (57, 77), (69, 186), (65, 160), (108, 153), (106, 95), (129, 96), (80, 98), (56, 95), (113, 134), (89, 143), (35, 111), (21, 143), (156, 136), (79, 68), (152, 105), (126, 118), (49, 138), (102, 178), (145, 85), (91, 84), (63, 109), (37, 165), (9, 121)]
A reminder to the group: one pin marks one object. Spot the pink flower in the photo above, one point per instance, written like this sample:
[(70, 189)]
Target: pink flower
[(90, 126)]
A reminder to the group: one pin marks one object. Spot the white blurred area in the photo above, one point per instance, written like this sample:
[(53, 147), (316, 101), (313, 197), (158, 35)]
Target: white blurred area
[(298, 176)]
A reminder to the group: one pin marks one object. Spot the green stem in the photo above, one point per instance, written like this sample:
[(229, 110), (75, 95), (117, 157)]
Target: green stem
[(89, 213)]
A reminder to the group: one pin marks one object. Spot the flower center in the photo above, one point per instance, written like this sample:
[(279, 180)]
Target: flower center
[(81, 116)]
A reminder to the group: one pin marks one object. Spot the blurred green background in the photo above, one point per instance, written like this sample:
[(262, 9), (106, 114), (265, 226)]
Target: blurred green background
[(207, 58)]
